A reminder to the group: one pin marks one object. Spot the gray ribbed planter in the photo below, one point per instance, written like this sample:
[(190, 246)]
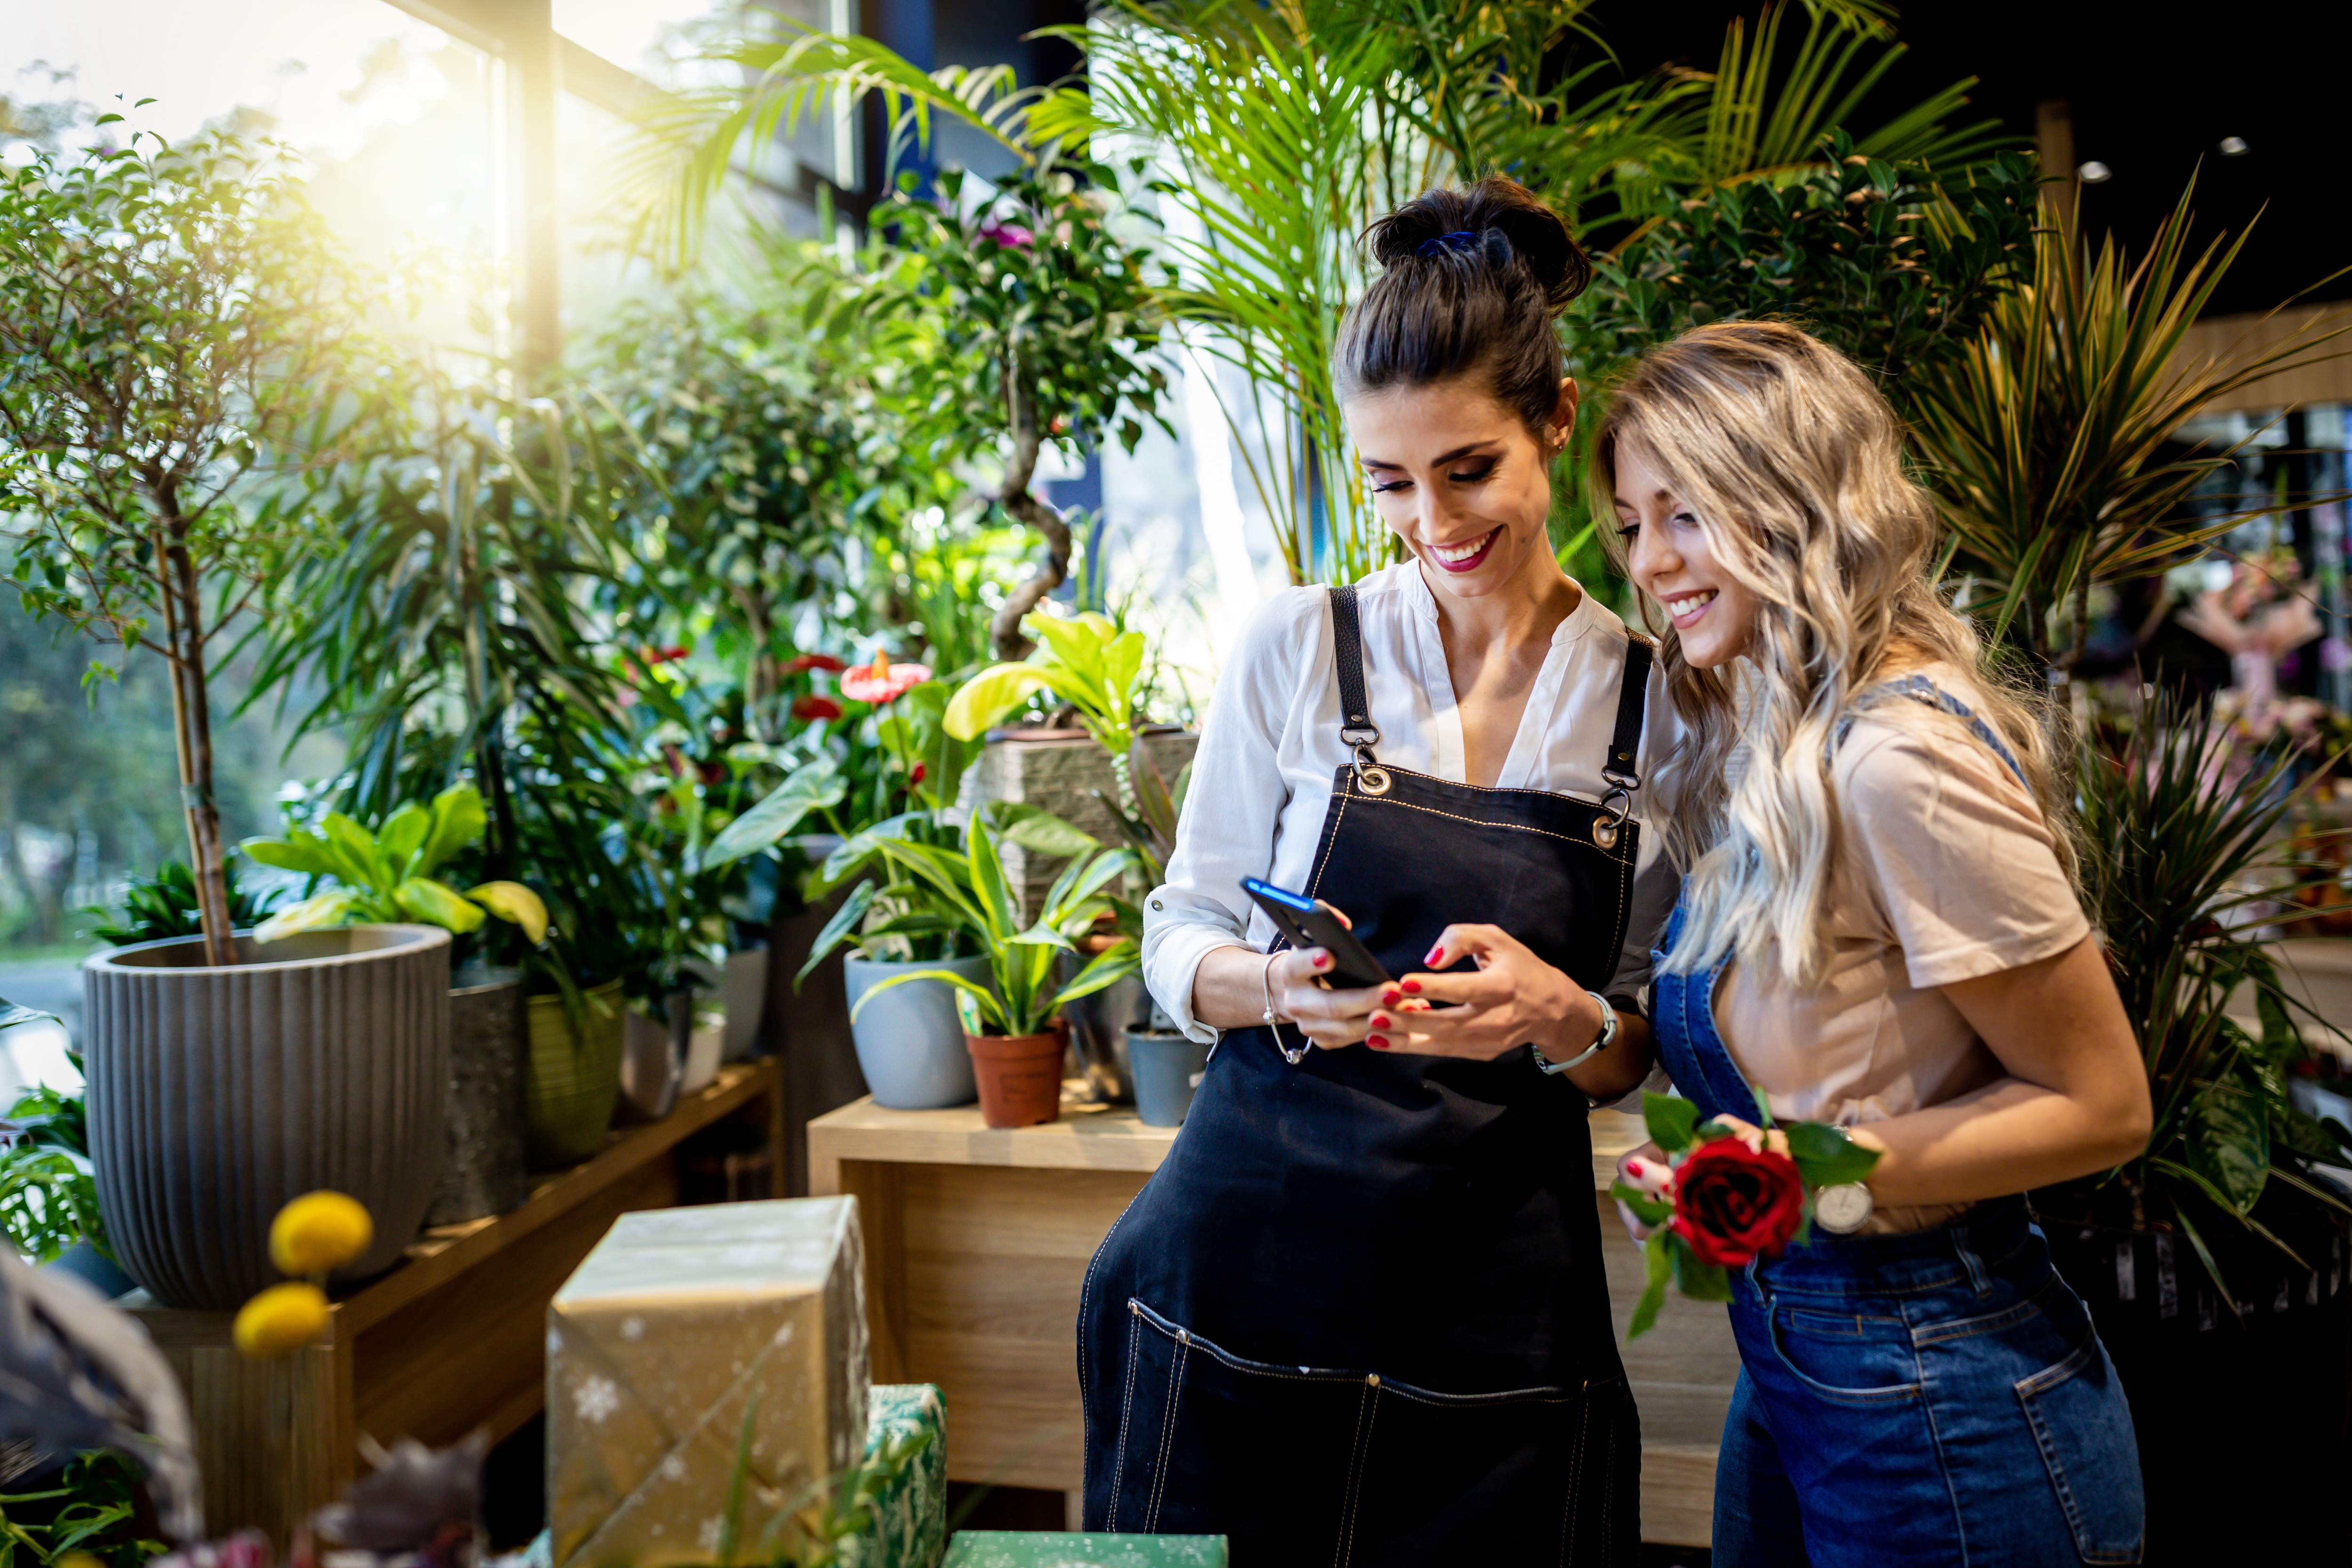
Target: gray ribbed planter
[(216, 1094)]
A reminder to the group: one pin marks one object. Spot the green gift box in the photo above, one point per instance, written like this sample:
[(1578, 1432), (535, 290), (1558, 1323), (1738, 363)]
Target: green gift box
[(910, 1510), (1052, 1549)]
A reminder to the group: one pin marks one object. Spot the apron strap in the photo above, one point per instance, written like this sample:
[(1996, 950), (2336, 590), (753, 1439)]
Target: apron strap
[(1919, 689), (1632, 697), (1356, 726)]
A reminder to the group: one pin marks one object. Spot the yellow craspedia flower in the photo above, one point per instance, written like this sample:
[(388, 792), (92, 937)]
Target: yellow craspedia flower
[(319, 1232), (282, 1319)]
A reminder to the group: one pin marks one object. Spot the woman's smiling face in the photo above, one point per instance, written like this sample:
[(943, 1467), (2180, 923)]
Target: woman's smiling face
[(1459, 477), (1670, 558)]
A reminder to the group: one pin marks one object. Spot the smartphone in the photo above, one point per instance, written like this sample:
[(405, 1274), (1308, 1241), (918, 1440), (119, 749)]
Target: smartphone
[(1311, 923)]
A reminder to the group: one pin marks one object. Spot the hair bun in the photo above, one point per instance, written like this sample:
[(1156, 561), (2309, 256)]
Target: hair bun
[(1495, 209)]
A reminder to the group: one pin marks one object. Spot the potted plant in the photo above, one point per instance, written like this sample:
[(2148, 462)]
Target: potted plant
[(389, 875), (1099, 673), (1016, 1053), (170, 317), (910, 1045), (2212, 1259)]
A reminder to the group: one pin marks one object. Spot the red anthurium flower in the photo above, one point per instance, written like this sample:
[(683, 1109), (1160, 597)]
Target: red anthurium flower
[(807, 661), (882, 682), (807, 709), (917, 776)]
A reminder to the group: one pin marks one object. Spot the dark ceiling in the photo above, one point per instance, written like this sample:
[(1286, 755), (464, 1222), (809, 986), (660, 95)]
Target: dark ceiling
[(2152, 92)]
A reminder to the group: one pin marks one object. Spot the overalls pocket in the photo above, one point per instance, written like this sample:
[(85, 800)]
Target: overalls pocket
[(2082, 1427), (1851, 1358), (1210, 1443)]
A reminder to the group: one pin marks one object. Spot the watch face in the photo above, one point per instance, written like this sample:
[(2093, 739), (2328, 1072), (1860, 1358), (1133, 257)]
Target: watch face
[(1841, 1209)]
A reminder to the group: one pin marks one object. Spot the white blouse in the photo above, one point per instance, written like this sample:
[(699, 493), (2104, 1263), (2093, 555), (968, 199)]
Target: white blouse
[(1262, 777)]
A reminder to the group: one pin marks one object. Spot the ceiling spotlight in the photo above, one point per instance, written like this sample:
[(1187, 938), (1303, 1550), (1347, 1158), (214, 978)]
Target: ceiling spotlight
[(2093, 172), (2234, 146)]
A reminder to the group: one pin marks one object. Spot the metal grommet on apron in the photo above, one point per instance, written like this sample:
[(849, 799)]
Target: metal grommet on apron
[(1376, 1275)]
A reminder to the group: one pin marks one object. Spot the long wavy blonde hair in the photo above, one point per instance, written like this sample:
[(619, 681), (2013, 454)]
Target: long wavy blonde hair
[(1792, 463)]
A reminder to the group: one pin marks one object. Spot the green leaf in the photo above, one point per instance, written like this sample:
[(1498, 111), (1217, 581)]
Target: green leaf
[(438, 904), (988, 882), (2227, 1142), (403, 835), (814, 785), (300, 850), (1672, 1121), (1040, 832), (352, 849), (329, 909), (988, 696), (1109, 967), (1650, 1211), (1653, 1293), (1698, 1281), (458, 818), (1825, 1156), (515, 904), (838, 930), (981, 995)]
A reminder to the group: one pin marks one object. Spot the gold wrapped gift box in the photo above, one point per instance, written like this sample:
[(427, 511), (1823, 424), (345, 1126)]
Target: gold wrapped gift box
[(678, 1327)]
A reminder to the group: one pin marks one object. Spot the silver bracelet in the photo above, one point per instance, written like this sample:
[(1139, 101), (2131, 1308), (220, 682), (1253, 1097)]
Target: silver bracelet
[(1265, 986), (1608, 1033)]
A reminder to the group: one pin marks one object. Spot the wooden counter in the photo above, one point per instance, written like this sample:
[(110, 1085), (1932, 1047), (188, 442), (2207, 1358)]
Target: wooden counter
[(453, 1338), (977, 1241)]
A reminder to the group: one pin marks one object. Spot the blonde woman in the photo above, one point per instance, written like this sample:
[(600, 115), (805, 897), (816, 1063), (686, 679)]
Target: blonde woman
[(1878, 928)]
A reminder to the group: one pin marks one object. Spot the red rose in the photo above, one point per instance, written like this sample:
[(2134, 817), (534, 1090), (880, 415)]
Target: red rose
[(809, 708), (1732, 1203)]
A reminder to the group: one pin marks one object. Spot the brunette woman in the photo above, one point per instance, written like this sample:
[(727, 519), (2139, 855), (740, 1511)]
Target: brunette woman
[(1879, 929), (1359, 1314)]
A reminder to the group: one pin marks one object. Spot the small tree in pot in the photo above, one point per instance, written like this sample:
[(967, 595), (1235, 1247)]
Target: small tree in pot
[(167, 315)]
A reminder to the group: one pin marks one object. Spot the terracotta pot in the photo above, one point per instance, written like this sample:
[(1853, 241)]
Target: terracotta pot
[(1020, 1076)]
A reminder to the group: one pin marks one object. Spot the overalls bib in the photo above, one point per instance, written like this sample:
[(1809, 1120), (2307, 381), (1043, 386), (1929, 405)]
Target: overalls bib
[(1358, 1315), (1935, 1399)]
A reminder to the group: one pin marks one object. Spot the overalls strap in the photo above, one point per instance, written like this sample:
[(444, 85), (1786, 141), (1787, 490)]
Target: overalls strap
[(1919, 689)]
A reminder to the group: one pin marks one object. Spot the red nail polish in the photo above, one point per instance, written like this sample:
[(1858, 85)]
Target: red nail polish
[(1378, 1042), (1380, 1021), (1391, 997), (1435, 954), (1412, 987), (1634, 1166), (1322, 961)]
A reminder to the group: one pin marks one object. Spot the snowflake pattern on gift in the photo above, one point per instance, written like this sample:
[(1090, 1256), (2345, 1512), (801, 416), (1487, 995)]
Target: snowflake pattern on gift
[(711, 1530), (594, 1399), (633, 1328)]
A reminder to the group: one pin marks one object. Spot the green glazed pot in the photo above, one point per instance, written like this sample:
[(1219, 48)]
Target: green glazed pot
[(573, 1080)]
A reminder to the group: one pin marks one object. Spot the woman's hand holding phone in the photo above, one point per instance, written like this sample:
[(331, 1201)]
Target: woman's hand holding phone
[(1331, 1019), (1511, 998)]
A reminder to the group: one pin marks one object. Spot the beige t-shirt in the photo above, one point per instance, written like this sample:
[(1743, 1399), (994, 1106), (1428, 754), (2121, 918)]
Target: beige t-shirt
[(1945, 872)]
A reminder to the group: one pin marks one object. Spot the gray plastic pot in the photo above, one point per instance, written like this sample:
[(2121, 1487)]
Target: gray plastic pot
[(1168, 1069), (216, 1094), (483, 1173), (910, 1038)]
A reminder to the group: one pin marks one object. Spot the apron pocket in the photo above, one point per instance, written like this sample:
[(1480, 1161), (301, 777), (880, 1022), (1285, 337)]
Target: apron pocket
[(2082, 1427), (1210, 1443), (1529, 1477)]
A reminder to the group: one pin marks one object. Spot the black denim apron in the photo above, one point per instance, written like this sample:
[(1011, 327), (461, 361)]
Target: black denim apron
[(1358, 1315)]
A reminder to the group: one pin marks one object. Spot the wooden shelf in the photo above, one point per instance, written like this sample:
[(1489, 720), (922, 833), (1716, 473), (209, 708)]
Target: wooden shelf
[(1087, 1138), (452, 1337)]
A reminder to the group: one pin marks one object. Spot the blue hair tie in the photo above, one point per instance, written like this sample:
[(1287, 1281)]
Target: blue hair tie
[(1460, 239)]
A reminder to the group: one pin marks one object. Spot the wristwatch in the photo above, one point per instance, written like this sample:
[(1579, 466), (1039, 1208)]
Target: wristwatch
[(1842, 1209), (1608, 1033)]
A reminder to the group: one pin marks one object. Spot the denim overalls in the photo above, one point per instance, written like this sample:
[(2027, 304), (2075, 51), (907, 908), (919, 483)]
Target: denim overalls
[(1932, 1398)]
